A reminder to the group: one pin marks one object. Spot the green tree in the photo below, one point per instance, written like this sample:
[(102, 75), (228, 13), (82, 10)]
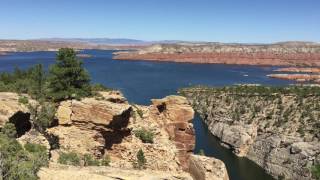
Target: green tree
[(67, 78), (38, 79)]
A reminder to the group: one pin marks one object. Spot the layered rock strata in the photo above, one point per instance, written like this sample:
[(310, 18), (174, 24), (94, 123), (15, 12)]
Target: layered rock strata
[(302, 74), (280, 131), (106, 125), (289, 53)]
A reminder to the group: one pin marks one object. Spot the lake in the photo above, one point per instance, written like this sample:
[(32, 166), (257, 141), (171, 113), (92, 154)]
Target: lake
[(141, 81)]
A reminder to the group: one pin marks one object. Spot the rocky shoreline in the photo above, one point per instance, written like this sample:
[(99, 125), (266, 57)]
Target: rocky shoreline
[(106, 125), (280, 54), (277, 129), (299, 74)]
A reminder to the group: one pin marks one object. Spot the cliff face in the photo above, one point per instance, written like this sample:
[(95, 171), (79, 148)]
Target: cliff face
[(106, 125), (279, 131), (292, 53)]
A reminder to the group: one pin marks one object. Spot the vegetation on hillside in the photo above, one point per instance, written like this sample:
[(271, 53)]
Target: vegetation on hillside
[(141, 161), (253, 104), (17, 161), (292, 111), (301, 91), (66, 79), (72, 158), (146, 136)]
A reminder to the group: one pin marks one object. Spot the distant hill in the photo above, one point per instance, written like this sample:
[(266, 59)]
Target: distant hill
[(101, 41), (112, 41)]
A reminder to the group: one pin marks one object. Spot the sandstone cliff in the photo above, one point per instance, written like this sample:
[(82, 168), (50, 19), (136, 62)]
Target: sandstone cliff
[(106, 125), (289, 53), (278, 128)]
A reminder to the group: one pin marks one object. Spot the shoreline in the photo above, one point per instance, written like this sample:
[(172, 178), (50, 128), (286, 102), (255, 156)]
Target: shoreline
[(224, 58)]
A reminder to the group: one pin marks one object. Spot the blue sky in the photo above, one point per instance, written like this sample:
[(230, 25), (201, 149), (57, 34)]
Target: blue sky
[(260, 21)]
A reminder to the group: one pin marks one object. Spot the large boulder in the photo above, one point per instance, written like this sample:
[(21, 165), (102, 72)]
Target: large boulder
[(206, 168), (92, 119), (108, 109)]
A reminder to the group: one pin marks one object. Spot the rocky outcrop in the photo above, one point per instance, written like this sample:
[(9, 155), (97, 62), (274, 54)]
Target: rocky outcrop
[(205, 168), (92, 119), (107, 125), (278, 128), (34, 137), (60, 172), (9, 106), (176, 115), (290, 53)]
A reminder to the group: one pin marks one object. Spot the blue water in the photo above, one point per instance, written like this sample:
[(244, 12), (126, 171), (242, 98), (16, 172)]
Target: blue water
[(141, 81)]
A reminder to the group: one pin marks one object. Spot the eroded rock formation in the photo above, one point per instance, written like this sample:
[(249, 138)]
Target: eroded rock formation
[(279, 131), (106, 125), (176, 115), (203, 168)]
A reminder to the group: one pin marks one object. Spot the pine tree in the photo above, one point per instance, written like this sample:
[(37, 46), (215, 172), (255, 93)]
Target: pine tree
[(38, 78), (67, 78)]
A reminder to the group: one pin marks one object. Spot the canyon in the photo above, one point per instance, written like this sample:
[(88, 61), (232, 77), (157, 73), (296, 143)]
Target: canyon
[(278, 54), (276, 128), (105, 125)]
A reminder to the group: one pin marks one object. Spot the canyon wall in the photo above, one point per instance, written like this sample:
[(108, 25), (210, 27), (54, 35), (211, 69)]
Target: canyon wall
[(106, 125), (277, 128), (288, 53)]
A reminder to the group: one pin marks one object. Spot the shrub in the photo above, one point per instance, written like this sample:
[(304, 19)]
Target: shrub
[(19, 162), (70, 158), (139, 111), (144, 135), (89, 160), (106, 160), (23, 100), (141, 160), (316, 171), (9, 130), (99, 87)]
